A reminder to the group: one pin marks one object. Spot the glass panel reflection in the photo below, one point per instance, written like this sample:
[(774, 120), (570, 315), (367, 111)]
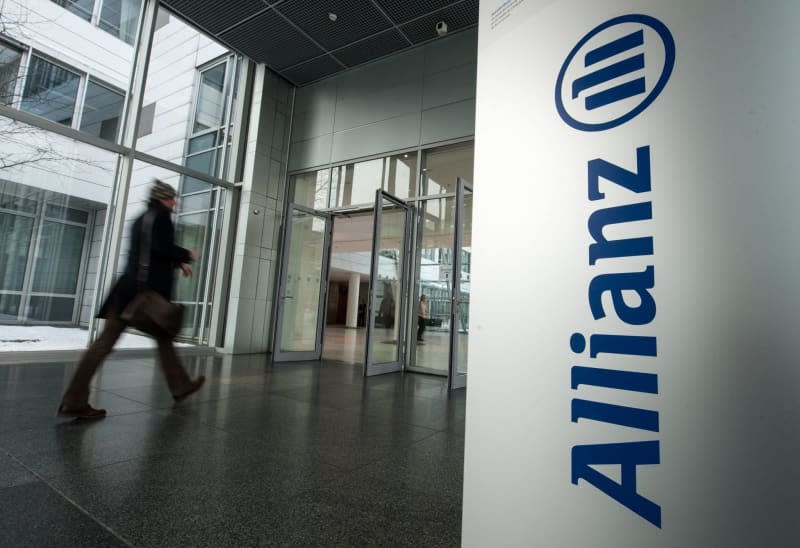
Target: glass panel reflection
[(102, 108), (312, 189), (443, 166), (390, 259), (356, 183), (435, 259), (400, 177), (302, 285), (50, 91), (9, 72), (462, 314)]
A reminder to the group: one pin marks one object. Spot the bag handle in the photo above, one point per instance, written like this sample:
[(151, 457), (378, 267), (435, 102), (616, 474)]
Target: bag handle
[(144, 248)]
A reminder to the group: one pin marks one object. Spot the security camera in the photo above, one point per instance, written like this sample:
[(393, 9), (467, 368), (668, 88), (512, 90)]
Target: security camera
[(441, 28)]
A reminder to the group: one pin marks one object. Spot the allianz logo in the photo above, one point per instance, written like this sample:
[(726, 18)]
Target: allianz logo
[(615, 72)]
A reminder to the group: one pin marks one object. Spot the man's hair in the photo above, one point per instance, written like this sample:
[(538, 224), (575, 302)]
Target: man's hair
[(162, 191)]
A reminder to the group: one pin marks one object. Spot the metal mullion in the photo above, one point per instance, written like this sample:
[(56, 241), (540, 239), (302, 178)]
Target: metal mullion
[(182, 170), (208, 281), (373, 273), (65, 131), (16, 212)]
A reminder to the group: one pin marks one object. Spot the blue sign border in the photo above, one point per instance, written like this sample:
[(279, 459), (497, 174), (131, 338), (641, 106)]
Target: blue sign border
[(669, 63)]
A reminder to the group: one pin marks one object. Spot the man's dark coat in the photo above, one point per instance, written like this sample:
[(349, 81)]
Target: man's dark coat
[(165, 257)]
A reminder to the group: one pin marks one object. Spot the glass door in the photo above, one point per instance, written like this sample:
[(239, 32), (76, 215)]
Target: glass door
[(303, 284), (387, 286), (459, 312)]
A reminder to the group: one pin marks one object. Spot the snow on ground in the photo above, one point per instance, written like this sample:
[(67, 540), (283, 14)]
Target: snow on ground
[(21, 338)]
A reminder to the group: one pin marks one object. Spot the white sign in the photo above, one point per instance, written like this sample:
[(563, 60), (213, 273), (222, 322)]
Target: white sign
[(634, 382)]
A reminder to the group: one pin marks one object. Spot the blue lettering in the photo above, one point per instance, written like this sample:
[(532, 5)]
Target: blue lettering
[(621, 415), (629, 247), (628, 456), (639, 282), (612, 378), (631, 345), (635, 182)]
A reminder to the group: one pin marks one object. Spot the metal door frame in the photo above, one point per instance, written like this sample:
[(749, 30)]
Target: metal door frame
[(279, 355), (370, 368), (456, 380)]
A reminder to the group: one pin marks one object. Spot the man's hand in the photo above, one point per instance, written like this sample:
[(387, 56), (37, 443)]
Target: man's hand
[(187, 270), (193, 255)]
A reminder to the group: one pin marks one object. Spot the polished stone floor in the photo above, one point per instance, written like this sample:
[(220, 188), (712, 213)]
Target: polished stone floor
[(306, 454)]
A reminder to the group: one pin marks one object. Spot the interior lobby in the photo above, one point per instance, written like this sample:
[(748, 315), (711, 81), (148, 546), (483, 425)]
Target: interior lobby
[(325, 176)]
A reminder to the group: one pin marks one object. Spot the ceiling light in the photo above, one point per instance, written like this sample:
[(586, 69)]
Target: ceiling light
[(332, 16)]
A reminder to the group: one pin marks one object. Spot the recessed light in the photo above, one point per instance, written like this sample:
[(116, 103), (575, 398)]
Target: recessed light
[(332, 16)]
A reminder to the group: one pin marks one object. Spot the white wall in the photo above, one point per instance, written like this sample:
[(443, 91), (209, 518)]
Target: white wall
[(722, 137)]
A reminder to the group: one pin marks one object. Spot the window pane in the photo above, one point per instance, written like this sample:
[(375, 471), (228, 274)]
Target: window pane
[(311, 189), (190, 231), (120, 18), (195, 202), (203, 162), (357, 183), (102, 109), (58, 258), (9, 72), (81, 8), (444, 166), (15, 239), (191, 184), (9, 307), (51, 309), (401, 175), (211, 99), (67, 213), (50, 91), (204, 142)]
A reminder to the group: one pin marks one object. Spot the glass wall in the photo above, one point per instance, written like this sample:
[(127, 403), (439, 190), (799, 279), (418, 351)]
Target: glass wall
[(54, 193), (198, 220), (355, 184), (442, 166)]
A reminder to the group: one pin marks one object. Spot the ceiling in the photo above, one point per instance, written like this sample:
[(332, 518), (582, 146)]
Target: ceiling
[(298, 40)]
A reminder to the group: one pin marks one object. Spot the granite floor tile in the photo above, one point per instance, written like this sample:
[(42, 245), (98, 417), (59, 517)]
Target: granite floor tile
[(265, 454), (34, 515), (77, 445), (175, 501), (336, 395), (12, 472)]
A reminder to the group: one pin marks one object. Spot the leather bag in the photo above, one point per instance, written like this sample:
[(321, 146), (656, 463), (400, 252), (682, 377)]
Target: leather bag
[(149, 311)]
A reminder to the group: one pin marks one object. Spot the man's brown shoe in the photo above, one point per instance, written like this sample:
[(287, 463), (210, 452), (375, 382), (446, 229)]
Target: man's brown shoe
[(193, 387), (82, 412)]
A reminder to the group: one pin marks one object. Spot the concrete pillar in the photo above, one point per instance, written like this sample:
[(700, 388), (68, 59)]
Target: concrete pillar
[(352, 300)]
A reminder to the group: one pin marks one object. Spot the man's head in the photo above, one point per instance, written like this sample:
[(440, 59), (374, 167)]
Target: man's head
[(164, 193)]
